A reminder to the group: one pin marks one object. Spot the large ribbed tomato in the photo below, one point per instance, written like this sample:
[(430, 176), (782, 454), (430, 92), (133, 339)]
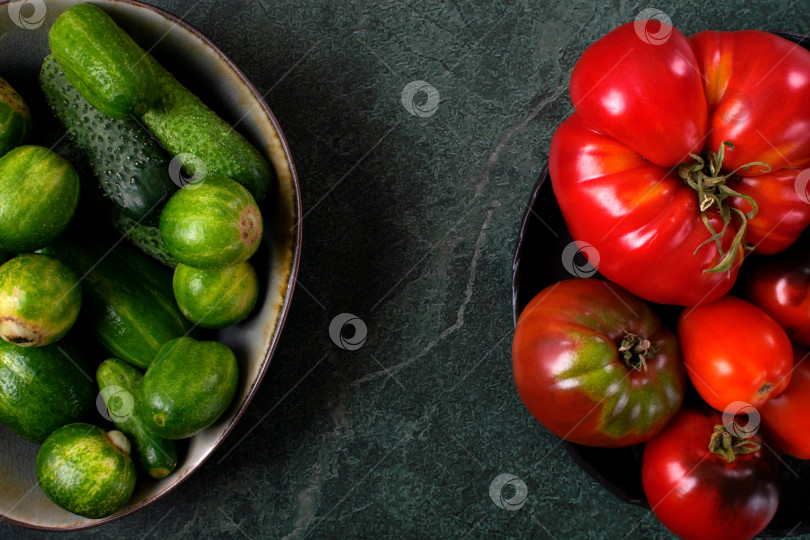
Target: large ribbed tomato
[(674, 139), (595, 365)]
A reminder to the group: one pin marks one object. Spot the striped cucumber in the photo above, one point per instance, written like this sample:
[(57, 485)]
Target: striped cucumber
[(185, 126), (120, 387), (128, 300), (103, 62), (86, 470), (130, 166), (15, 118)]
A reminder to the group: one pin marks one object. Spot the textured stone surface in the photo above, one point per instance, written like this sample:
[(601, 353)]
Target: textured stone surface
[(410, 225)]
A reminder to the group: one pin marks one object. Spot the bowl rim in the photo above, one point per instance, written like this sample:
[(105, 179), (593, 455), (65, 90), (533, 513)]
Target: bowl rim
[(288, 293)]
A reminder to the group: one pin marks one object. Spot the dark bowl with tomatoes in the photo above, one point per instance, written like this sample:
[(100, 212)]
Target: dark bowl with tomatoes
[(543, 244)]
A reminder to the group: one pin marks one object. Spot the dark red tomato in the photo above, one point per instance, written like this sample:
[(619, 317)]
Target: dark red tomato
[(595, 365), (734, 351), (780, 286), (786, 416), (701, 495), (660, 129)]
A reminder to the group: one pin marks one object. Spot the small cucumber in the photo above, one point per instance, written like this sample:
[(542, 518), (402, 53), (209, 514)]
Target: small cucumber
[(120, 387), (15, 118), (40, 298), (39, 192), (188, 386), (130, 166), (103, 62), (185, 126), (44, 388), (211, 225), (86, 470), (216, 298), (129, 304)]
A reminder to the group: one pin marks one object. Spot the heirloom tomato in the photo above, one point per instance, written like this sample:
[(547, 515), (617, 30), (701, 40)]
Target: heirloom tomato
[(595, 365), (734, 352), (780, 286), (681, 154), (706, 478), (786, 416)]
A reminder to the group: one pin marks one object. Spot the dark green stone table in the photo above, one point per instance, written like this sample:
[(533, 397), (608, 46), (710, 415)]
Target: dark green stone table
[(410, 223)]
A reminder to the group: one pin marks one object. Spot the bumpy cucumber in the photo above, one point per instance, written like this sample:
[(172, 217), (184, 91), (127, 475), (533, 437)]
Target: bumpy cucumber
[(144, 237), (184, 125), (129, 305), (86, 470), (39, 192), (15, 118), (120, 387), (216, 298), (132, 169), (187, 387), (40, 298), (103, 62), (211, 225), (43, 388)]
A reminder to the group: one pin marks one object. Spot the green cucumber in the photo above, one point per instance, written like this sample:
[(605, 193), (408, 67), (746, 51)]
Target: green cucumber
[(129, 304), (15, 118), (39, 192), (211, 225), (130, 166), (86, 470), (43, 388), (103, 62), (188, 386), (120, 387), (216, 298), (40, 298), (188, 129), (145, 237)]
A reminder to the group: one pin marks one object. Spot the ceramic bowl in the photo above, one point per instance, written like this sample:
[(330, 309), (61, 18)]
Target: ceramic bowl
[(537, 263), (199, 64)]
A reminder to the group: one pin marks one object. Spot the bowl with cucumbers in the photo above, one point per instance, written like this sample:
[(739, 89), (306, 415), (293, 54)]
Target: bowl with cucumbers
[(150, 237)]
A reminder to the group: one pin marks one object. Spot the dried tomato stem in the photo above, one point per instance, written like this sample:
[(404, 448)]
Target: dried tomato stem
[(712, 190), (636, 350), (729, 445)]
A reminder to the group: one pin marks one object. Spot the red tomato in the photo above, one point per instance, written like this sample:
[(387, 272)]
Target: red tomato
[(698, 494), (595, 365), (642, 162), (734, 351), (780, 285), (786, 416)]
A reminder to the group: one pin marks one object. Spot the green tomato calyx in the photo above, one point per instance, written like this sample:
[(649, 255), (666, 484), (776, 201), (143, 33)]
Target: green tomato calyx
[(706, 178), (636, 350), (730, 444)]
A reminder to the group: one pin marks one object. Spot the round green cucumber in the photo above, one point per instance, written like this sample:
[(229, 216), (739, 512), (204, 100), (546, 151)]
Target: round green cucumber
[(39, 192), (120, 387), (103, 62), (40, 298), (43, 388), (15, 118), (216, 298), (86, 470), (188, 386), (211, 225)]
